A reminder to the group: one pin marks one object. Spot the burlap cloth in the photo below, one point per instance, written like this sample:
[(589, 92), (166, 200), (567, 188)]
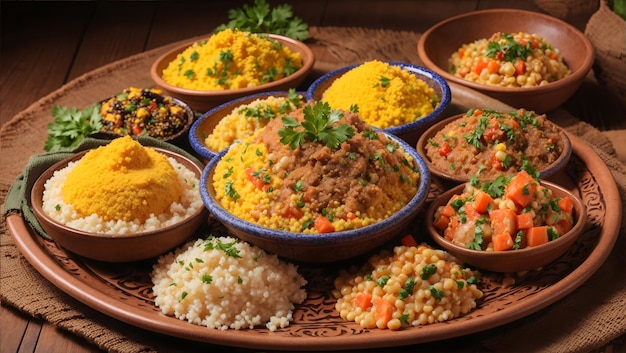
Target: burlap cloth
[(590, 317)]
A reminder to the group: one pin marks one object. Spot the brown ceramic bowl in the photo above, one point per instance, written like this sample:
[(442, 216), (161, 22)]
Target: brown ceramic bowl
[(205, 124), (525, 259), (203, 100), (436, 45), (448, 178), (110, 247)]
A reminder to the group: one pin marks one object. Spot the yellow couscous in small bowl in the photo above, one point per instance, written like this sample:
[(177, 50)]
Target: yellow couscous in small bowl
[(206, 72)]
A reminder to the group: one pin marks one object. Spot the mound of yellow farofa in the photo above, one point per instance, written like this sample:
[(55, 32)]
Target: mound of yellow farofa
[(231, 59), (386, 95), (412, 286), (122, 181)]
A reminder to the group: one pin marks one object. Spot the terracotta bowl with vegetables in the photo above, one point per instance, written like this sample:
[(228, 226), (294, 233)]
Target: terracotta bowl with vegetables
[(515, 56), (401, 98), (236, 120), (350, 189), (225, 77), (109, 239), (510, 224), (483, 144)]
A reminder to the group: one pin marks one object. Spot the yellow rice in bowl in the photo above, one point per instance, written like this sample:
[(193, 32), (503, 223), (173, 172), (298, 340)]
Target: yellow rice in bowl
[(245, 120), (385, 95), (367, 179), (231, 59)]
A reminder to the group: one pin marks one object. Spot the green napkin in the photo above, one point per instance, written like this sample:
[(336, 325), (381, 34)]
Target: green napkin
[(18, 196)]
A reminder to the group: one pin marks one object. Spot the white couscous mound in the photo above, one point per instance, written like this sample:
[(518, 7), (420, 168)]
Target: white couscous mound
[(223, 283)]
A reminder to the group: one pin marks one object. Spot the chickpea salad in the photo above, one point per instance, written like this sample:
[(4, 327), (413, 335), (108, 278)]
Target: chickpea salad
[(509, 60)]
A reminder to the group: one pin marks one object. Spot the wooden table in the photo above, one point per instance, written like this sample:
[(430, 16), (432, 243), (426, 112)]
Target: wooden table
[(47, 44)]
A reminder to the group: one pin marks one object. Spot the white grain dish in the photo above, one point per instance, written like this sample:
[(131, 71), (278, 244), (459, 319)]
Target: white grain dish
[(222, 283)]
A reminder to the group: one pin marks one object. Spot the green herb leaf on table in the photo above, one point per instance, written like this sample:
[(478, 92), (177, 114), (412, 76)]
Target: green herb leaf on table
[(318, 125), (260, 18), (71, 126)]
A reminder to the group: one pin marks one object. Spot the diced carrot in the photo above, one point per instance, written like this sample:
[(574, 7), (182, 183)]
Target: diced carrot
[(521, 189), (482, 200), (452, 228), (503, 221), (520, 67), (384, 311), (350, 216), (444, 149), (553, 56), (565, 204), (563, 226), (536, 236), (493, 66), (502, 242), (323, 225), (480, 66), (363, 301), (461, 52), (293, 212), (408, 240), (441, 222), (524, 221), (448, 211), (258, 183)]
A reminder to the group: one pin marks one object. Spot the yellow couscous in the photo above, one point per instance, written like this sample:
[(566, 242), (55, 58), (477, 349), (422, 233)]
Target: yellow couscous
[(231, 59), (246, 119), (509, 60), (315, 188), (132, 182), (385, 95), (411, 286)]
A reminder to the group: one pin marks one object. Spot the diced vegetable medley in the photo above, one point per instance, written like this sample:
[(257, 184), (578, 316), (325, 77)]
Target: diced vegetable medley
[(507, 213), (509, 60)]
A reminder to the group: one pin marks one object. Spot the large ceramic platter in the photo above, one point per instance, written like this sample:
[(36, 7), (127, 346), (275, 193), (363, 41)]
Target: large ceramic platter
[(123, 291)]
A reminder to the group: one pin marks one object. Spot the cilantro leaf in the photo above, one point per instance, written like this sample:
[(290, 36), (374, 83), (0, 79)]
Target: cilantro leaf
[(260, 18), (71, 126), (318, 126)]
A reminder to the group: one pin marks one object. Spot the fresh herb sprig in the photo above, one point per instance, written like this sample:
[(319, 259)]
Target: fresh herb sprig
[(318, 126), (71, 126), (260, 18), (509, 47)]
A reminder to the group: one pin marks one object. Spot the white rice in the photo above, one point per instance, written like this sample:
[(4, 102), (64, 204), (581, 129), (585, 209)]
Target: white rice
[(66, 214), (205, 284)]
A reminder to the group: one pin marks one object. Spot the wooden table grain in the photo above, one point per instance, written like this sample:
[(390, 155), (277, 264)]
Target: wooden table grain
[(47, 44)]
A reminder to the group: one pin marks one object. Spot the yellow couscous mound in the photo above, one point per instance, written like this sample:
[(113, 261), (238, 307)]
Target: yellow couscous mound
[(231, 59), (386, 95), (122, 181)]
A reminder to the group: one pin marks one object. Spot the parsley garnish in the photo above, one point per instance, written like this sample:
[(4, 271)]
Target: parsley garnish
[(382, 281), (71, 126), (428, 271), (260, 18), (318, 125)]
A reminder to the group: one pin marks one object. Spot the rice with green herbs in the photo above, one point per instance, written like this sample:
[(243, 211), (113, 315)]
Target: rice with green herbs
[(232, 59), (222, 283), (246, 119)]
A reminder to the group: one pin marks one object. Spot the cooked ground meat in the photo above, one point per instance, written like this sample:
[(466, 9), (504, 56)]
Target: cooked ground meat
[(493, 143), (365, 180)]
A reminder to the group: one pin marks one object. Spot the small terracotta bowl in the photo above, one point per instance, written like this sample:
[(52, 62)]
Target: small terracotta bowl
[(436, 45), (318, 248), (408, 132), (110, 247), (204, 125), (203, 100), (451, 179), (525, 259)]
